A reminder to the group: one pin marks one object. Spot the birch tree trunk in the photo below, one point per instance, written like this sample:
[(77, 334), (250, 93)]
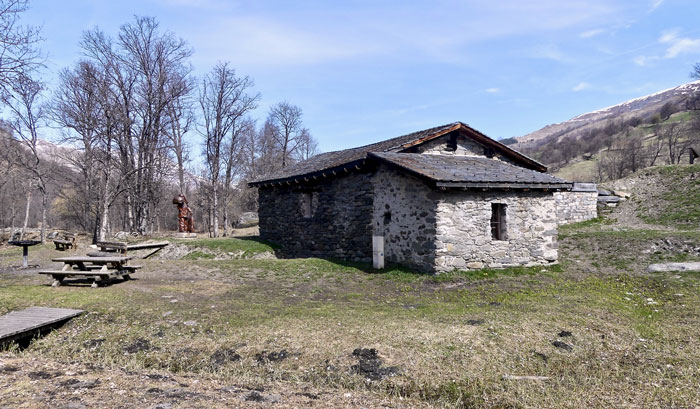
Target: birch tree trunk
[(44, 206), (26, 213), (215, 208)]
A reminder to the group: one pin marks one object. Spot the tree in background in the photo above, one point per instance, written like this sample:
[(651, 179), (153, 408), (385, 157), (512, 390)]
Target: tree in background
[(124, 112), (224, 100), (287, 129), (27, 113), (18, 45)]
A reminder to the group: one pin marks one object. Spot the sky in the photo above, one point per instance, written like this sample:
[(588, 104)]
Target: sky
[(364, 71)]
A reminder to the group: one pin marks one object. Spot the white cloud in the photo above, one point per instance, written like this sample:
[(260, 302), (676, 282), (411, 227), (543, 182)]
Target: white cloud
[(592, 33), (655, 4), (581, 86), (262, 41), (493, 90), (679, 45)]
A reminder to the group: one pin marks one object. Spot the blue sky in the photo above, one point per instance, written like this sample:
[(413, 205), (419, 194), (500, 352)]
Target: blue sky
[(364, 71)]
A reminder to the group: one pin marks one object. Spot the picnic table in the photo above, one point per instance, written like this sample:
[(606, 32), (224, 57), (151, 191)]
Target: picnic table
[(25, 249), (98, 269)]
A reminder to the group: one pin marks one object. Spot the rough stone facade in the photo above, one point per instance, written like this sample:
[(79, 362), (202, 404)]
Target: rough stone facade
[(577, 205), (464, 239), (437, 231), (340, 225), (404, 213)]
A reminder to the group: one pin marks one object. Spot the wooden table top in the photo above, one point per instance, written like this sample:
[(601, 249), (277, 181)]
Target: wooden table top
[(94, 260)]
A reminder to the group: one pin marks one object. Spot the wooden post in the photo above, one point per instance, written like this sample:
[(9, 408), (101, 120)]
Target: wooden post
[(25, 256), (378, 252)]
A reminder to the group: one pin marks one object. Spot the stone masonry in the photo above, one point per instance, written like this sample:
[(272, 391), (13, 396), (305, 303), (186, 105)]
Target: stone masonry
[(340, 225), (433, 230), (404, 213), (464, 239), (577, 205)]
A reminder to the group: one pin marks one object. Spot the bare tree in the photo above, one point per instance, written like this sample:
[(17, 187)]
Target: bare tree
[(24, 101), (19, 55), (147, 71), (672, 134), (181, 119), (287, 129), (307, 147), (224, 99), (655, 148), (232, 158)]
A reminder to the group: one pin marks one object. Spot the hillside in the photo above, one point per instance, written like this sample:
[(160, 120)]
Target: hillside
[(614, 142), (663, 196), (642, 107)]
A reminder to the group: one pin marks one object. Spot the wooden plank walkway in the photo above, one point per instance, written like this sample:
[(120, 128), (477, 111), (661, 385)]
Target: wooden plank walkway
[(19, 324)]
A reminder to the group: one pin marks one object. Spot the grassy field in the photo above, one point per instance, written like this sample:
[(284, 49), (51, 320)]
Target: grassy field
[(281, 333)]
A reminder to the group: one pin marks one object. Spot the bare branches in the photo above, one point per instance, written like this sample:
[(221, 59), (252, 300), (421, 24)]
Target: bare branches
[(289, 133), (19, 55), (224, 100)]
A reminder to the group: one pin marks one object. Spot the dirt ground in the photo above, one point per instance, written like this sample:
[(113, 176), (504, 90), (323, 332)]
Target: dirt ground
[(222, 323)]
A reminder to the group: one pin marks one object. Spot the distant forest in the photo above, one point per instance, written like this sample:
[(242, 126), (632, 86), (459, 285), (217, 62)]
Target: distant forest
[(124, 114), (622, 146)]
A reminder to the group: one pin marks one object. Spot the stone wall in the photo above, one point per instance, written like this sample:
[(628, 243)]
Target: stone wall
[(464, 230), (404, 213), (577, 205), (340, 225)]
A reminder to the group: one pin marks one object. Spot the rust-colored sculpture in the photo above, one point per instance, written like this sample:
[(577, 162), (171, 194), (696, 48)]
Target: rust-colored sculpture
[(184, 216)]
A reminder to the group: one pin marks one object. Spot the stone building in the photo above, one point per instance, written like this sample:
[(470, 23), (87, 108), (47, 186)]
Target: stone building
[(443, 198)]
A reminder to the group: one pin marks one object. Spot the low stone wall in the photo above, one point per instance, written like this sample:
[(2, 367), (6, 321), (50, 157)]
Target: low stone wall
[(340, 225), (464, 230), (577, 205)]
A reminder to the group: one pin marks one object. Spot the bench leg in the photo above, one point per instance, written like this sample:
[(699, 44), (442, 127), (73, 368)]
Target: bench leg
[(126, 277), (56, 281)]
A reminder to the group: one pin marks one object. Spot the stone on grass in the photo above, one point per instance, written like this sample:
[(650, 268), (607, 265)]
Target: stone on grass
[(665, 267)]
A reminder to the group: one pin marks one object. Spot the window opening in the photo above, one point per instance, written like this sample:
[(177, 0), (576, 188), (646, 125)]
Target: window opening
[(498, 221)]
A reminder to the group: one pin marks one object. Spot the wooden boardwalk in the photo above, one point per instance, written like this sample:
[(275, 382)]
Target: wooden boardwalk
[(27, 322)]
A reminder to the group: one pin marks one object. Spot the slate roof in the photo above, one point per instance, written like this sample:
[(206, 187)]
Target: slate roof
[(337, 159), (469, 171)]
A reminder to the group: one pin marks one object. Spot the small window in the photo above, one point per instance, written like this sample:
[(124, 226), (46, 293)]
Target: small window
[(498, 221), (306, 205)]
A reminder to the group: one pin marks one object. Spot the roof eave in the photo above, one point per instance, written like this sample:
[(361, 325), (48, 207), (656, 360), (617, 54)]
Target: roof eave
[(504, 185), (312, 176)]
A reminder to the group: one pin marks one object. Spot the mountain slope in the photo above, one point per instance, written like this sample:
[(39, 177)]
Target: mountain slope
[(642, 107)]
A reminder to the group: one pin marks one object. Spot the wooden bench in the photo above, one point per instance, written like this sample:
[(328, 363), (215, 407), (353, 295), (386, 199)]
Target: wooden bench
[(67, 241), (113, 246)]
